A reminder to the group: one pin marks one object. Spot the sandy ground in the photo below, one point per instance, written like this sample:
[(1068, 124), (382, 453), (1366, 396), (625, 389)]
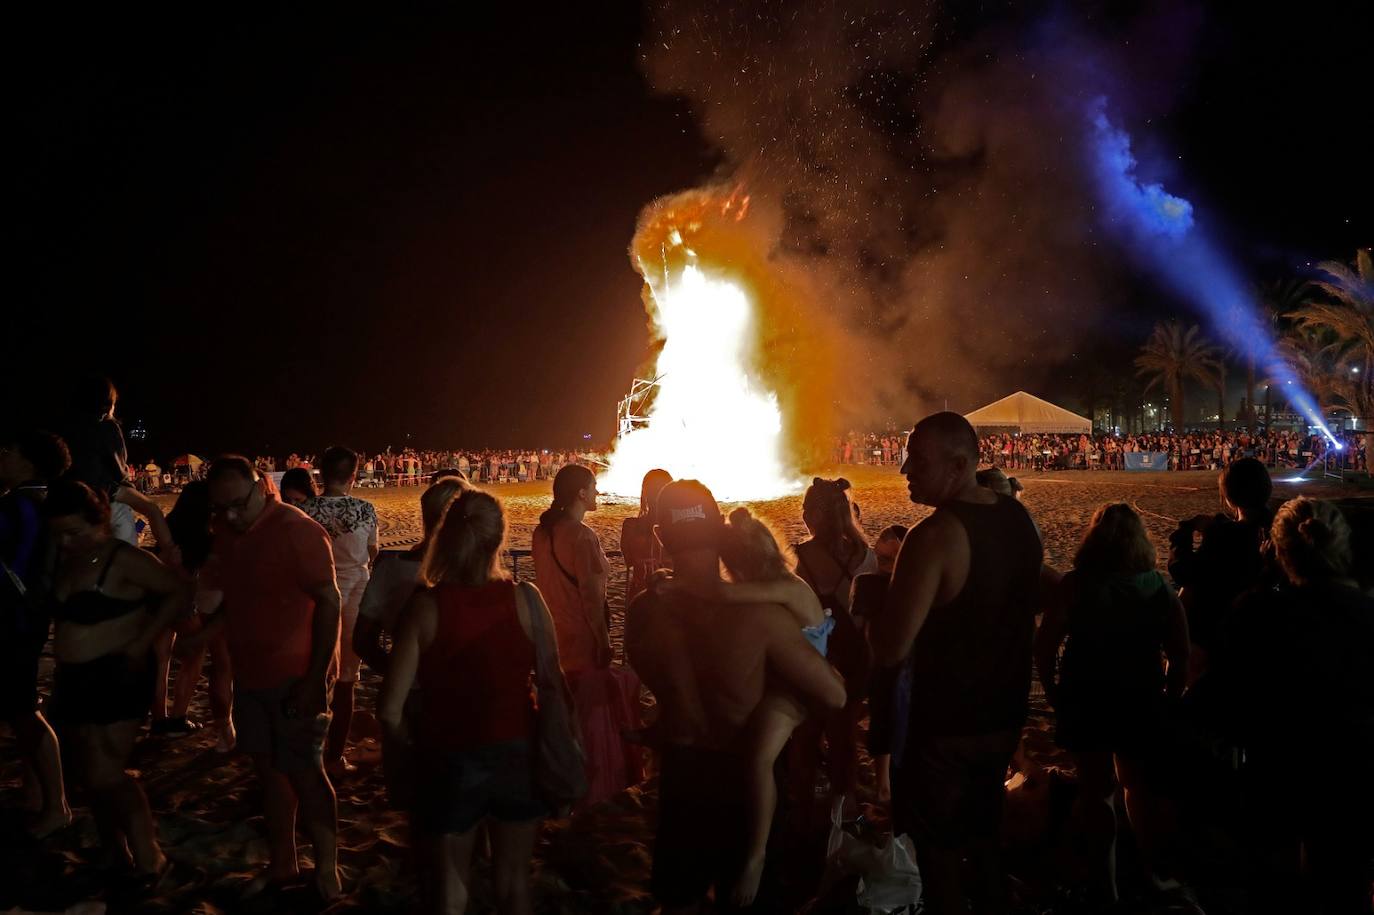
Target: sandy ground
[(208, 806)]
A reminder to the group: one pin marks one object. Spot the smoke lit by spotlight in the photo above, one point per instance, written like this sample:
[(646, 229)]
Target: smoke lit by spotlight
[(1162, 228)]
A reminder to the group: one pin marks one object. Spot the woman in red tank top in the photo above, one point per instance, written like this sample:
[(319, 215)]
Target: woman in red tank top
[(466, 639)]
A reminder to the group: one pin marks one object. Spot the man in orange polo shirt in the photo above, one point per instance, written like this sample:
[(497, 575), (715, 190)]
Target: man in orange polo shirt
[(275, 567)]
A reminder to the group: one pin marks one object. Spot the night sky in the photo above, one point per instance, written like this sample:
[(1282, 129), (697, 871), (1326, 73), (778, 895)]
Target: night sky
[(287, 233)]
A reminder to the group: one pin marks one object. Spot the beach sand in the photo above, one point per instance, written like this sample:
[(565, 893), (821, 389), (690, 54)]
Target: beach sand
[(208, 807)]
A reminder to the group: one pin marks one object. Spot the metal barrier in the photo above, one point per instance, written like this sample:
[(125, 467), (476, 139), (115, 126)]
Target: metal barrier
[(1332, 464)]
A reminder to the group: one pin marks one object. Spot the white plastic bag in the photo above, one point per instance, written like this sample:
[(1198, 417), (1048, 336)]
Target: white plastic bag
[(889, 880), (894, 882)]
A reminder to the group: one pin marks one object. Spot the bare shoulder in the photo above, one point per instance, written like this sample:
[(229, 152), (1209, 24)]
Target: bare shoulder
[(936, 534), (129, 558), (937, 524), (139, 565), (587, 536)]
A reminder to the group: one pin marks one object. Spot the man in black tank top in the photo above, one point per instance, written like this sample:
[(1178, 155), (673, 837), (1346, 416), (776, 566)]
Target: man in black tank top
[(960, 611)]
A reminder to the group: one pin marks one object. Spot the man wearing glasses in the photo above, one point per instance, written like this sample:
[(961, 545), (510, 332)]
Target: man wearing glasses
[(275, 567)]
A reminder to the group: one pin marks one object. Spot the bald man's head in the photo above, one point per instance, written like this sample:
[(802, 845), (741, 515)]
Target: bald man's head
[(942, 458), (950, 432)]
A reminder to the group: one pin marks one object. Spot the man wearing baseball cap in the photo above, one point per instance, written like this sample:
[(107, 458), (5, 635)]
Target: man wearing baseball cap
[(708, 664)]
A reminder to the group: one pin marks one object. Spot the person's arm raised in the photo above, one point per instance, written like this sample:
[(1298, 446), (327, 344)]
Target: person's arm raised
[(127, 495), (798, 665), (921, 567)]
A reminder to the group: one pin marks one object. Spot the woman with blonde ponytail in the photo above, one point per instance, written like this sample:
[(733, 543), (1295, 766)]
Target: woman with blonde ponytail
[(466, 638), (1298, 669), (1312, 542)]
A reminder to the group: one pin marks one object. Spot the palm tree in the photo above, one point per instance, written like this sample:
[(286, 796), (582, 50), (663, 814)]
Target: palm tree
[(1350, 390), (1171, 357), (1348, 313), (1312, 355), (1350, 309), (1277, 300)]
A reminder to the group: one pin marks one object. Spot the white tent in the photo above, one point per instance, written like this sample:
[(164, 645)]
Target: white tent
[(1026, 413)]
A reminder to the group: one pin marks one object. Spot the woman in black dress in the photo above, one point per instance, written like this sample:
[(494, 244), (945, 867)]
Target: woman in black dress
[(1120, 620)]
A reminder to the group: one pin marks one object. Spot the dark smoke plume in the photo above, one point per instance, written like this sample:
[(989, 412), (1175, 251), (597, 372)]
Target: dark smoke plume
[(925, 174)]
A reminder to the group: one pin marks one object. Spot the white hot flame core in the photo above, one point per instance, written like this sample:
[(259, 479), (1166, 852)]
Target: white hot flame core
[(710, 420)]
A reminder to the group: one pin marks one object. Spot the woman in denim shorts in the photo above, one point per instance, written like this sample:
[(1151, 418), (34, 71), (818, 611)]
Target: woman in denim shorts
[(466, 639)]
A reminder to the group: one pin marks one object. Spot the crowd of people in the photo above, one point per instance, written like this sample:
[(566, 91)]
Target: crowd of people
[(1194, 450), (408, 467), (503, 703), (1189, 451), (871, 448)]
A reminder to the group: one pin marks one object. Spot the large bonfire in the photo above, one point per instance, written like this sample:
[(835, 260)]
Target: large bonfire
[(711, 415)]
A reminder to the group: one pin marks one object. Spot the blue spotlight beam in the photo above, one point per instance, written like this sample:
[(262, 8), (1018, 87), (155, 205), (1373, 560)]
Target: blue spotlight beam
[(1162, 227)]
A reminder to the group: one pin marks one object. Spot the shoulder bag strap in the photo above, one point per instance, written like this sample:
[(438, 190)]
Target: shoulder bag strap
[(553, 551)]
